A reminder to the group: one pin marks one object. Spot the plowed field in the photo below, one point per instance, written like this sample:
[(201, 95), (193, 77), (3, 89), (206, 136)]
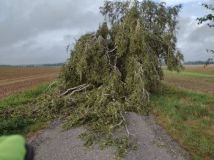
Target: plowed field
[(194, 77), (15, 79)]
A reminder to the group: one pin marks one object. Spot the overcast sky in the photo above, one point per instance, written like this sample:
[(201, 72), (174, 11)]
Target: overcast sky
[(38, 31)]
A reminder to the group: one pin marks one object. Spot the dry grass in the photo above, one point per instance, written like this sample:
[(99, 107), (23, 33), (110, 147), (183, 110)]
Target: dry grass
[(15, 79), (189, 118), (200, 68), (194, 77)]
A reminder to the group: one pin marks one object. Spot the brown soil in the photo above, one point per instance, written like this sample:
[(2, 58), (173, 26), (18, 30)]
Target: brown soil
[(200, 68), (194, 84), (15, 79)]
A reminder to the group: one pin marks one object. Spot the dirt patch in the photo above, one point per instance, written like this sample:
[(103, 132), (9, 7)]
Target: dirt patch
[(209, 131), (14, 79), (194, 84), (211, 108), (11, 73), (193, 123), (9, 89), (200, 68), (185, 100)]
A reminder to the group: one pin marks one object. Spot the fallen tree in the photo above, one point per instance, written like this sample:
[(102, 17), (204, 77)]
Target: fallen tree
[(121, 62)]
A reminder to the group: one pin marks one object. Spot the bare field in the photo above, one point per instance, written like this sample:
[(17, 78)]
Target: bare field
[(15, 79), (194, 77), (200, 68)]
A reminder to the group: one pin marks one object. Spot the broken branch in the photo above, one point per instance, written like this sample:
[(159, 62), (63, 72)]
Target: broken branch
[(72, 89)]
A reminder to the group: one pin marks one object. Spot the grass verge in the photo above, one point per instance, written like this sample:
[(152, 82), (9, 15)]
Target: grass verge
[(189, 118), (23, 97), (19, 114), (189, 74)]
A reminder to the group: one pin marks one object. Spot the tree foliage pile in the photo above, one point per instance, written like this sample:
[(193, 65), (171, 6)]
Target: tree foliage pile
[(116, 68)]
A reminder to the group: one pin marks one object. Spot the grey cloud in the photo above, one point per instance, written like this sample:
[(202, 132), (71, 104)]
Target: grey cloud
[(25, 25), (24, 19), (33, 55), (194, 39), (201, 34), (38, 31)]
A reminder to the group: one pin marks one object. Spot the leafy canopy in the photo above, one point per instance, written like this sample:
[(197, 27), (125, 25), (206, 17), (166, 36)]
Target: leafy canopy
[(135, 39), (121, 62)]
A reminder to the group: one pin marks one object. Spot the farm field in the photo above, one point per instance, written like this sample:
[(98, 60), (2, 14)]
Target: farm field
[(185, 108), (194, 77), (15, 79)]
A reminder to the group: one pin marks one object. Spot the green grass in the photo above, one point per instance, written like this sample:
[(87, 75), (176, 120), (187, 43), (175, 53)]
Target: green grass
[(189, 74), (189, 118), (21, 113), (23, 97)]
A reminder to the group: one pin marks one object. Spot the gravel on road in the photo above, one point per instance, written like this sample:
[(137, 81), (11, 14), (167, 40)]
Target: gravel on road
[(153, 143)]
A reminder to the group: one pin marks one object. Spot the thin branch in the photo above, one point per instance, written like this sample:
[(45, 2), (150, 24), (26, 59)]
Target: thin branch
[(50, 85), (72, 89), (118, 124), (112, 50), (80, 89), (127, 130), (107, 94)]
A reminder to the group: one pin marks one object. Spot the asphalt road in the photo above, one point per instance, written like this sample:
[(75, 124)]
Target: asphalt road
[(153, 143)]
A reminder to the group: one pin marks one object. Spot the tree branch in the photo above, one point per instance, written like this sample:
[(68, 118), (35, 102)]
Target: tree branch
[(73, 89), (127, 130), (80, 89)]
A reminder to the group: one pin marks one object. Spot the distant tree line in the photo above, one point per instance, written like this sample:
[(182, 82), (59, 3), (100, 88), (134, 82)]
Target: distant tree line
[(35, 65), (198, 62)]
